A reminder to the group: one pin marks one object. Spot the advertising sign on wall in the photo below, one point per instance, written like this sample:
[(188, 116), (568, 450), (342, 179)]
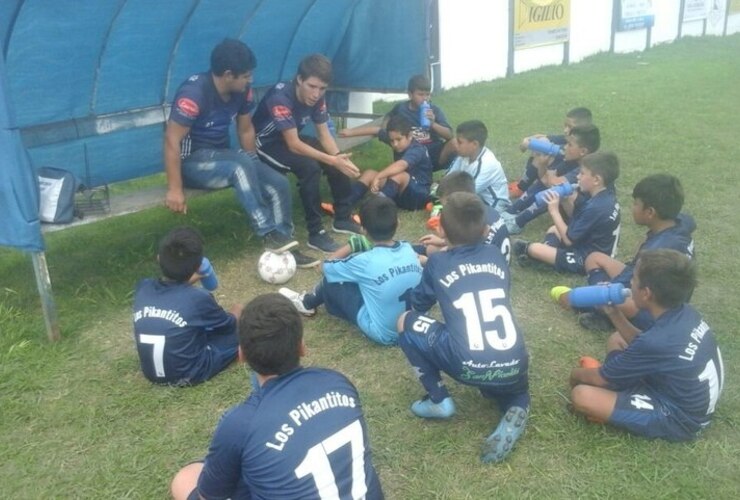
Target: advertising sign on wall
[(635, 14), (695, 10), (541, 22)]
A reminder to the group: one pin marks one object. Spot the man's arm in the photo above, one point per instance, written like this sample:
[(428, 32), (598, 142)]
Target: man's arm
[(553, 207), (175, 197), (245, 129), (340, 161), (588, 376), (394, 168), (627, 330), (359, 131)]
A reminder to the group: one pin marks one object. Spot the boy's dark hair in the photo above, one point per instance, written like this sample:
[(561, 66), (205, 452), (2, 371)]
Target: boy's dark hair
[(661, 192), (180, 253), (587, 136), (605, 164), (398, 123), (463, 219), (270, 334), (473, 130), (316, 65), (669, 274), (581, 116), (455, 182), (379, 216), (419, 82), (232, 55)]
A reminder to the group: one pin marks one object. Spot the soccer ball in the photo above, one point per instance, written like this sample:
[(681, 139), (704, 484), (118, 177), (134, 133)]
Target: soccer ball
[(276, 268)]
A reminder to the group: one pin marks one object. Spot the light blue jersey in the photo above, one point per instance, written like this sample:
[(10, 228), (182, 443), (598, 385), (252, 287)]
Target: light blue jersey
[(384, 275)]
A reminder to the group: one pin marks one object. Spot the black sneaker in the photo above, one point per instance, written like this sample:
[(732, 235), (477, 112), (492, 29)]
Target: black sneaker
[(323, 242), (303, 261), (346, 226), (520, 248), (596, 322), (278, 242)]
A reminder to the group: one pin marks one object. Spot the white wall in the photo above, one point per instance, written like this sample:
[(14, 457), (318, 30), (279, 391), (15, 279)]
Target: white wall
[(591, 24)]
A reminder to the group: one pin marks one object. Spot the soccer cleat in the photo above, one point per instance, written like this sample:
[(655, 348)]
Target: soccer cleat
[(303, 261), (425, 408), (559, 294), (596, 322), (323, 242), (297, 300), (499, 444), (589, 362), (346, 226), (514, 190), (277, 242)]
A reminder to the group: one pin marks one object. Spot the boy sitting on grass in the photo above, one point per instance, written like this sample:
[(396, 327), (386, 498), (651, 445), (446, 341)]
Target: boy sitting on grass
[(594, 219), (663, 382), (437, 138), (479, 343), (368, 288), (301, 433), (658, 200), (408, 179), (182, 335), (476, 159), (498, 235)]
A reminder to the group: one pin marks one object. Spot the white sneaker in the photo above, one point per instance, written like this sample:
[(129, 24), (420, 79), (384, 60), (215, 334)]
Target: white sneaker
[(297, 300)]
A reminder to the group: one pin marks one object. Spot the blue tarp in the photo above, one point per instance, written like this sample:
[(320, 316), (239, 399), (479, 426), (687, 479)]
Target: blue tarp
[(90, 80)]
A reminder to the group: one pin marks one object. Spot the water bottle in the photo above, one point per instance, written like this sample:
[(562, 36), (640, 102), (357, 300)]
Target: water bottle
[(598, 295), (424, 120), (562, 189), (543, 146), (209, 279)]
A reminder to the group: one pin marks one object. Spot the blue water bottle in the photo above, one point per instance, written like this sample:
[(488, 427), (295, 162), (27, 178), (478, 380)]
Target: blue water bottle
[(544, 146), (562, 189), (424, 120), (209, 279), (598, 295)]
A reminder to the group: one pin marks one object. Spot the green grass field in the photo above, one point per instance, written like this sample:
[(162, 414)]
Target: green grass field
[(77, 420)]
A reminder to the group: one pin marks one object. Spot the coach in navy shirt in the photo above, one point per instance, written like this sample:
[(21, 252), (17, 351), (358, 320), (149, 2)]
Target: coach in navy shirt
[(281, 115), (300, 434), (197, 152)]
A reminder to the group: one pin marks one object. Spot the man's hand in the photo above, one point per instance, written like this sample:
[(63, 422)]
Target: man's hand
[(553, 201), (432, 240), (345, 165), (175, 201), (377, 184)]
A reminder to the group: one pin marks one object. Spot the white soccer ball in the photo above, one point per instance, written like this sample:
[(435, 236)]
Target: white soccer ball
[(276, 268)]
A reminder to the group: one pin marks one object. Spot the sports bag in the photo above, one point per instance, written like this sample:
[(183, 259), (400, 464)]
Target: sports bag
[(57, 188)]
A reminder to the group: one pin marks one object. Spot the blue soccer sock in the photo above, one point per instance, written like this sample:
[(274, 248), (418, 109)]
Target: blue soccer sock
[(596, 276), (358, 191), (390, 189)]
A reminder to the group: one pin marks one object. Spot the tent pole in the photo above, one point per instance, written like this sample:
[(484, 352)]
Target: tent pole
[(43, 282)]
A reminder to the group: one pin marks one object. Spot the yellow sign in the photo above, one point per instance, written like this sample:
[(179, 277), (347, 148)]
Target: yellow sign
[(541, 22), (734, 6)]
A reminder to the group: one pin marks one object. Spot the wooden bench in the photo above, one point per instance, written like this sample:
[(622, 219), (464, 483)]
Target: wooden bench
[(128, 203)]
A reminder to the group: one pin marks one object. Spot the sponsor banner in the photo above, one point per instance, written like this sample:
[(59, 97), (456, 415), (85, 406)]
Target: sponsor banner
[(635, 15), (695, 10), (541, 22)]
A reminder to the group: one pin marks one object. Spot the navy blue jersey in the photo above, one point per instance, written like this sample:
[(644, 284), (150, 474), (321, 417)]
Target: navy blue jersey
[(199, 107), (678, 237), (678, 358), (498, 234), (567, 168), (419, 164), (300, 435), (472, 286), (281, 110), (171, 323), (424, 136), (594, 226), (558, 139)]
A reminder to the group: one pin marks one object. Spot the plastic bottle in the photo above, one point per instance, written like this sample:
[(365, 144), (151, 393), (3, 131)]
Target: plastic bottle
[(544, 146), (209, 279), (562, 189), (424, 120), (598, 295)]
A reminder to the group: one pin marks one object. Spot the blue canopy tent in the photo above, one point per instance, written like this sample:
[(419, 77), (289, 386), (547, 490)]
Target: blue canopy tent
[(83, 81)]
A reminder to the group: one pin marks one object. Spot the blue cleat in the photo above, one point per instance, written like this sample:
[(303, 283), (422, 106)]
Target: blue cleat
[(425, 408), (499, 444)]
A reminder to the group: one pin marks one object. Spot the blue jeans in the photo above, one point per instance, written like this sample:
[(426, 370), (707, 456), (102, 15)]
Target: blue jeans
[(262, 192)]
